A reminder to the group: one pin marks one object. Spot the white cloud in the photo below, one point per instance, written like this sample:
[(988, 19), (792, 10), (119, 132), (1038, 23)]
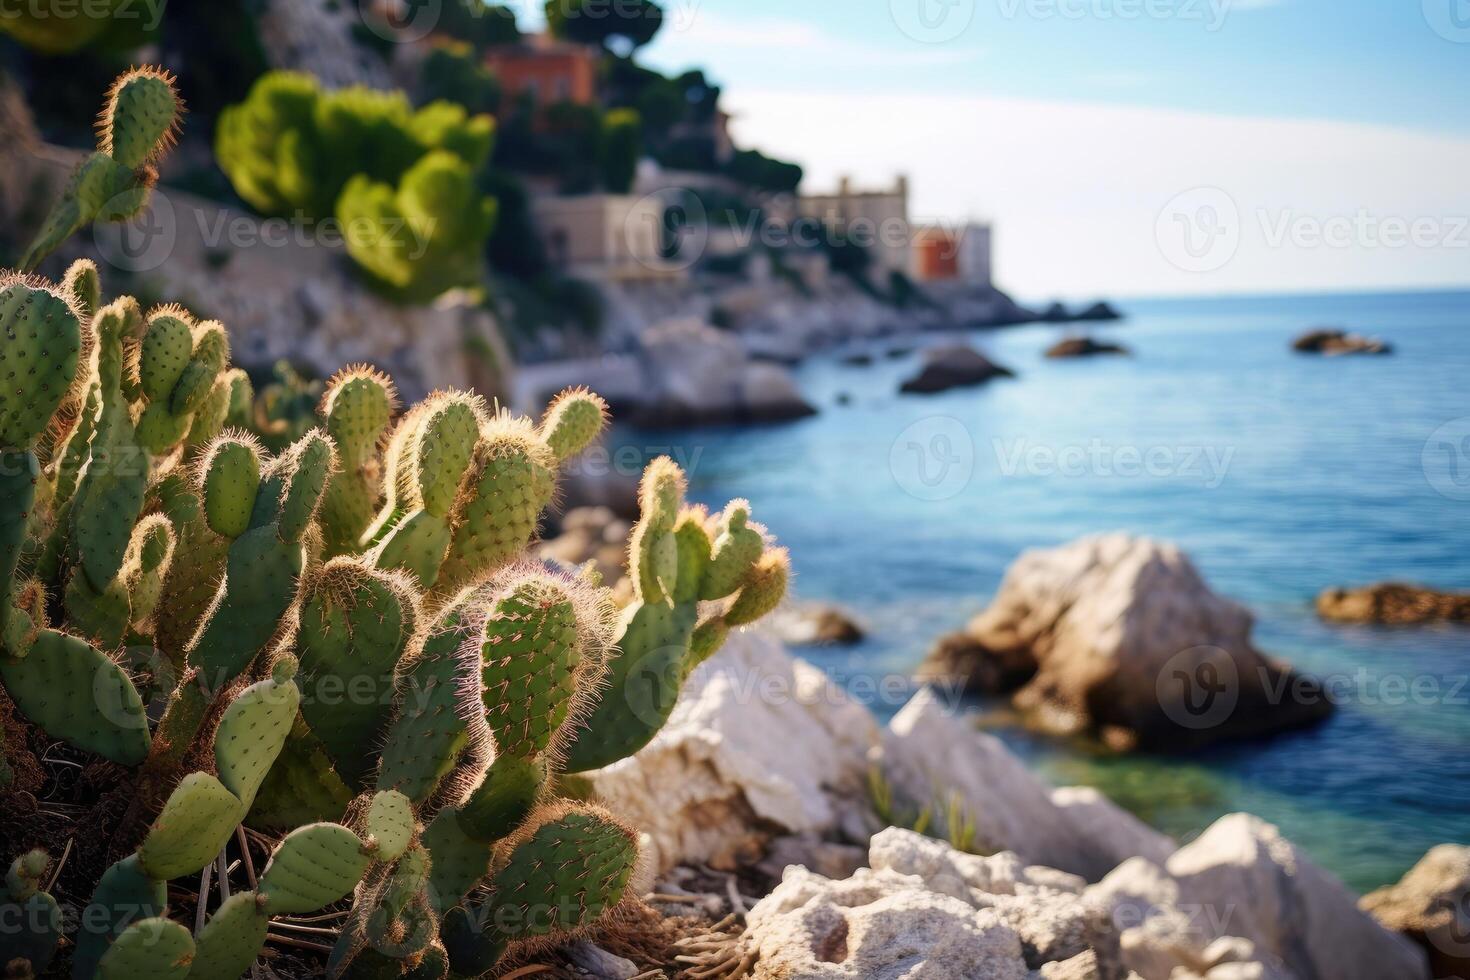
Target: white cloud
[(1076, 190)]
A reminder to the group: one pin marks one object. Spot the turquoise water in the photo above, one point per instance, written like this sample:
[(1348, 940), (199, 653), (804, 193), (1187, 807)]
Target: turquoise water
[(1280, 475)]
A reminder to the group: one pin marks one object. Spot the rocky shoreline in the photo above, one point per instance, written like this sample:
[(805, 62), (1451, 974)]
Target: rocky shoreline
[(1057, 884)]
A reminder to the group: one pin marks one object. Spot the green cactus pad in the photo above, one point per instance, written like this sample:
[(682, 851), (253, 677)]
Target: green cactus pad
[(84, 285), (418, 545), (390, 824), (164, 353), (314, 866), (195, 824), (40, 350), (430, 731), (473, 945), (123, 896), (356, 622), (302, 787), (564, 876), (251, 733), (101, 617), (35, 941), (231, 479), (150, 949), (695, 550), (77, 694), (530, 653), (141, 117), (736, 551), (357, 408), (441, 451), (307, 464), (642, 686), (510, 483), (457, 863), (260, 583), (231, 940), (572, 421), (762, 590)]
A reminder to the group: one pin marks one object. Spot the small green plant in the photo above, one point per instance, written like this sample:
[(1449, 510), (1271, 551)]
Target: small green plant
[(341, 645), (957, 825)]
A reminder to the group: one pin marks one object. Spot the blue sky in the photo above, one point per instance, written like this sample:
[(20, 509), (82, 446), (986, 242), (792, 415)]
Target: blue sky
[(1111, 141)]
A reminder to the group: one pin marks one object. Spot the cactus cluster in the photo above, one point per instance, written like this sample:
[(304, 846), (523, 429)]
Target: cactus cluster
[(400, 182), (138, 124), (342, 646)]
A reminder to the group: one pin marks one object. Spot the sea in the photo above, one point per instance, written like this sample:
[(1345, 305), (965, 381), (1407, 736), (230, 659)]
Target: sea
[(1280, 474)]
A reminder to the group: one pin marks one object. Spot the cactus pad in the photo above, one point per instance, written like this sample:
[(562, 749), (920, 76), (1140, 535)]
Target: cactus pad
[(123, 896), (231, 471), (390, 824), (314, 866), (572, 421), (231, 939), (195, 824), (252, 731), (77, 694), (140, 119), (41, 343), (570, 870), (150, 949)]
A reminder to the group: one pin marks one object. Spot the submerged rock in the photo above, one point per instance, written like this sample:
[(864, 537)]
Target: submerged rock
[(1128, 643), (955, 366), (1393, 604), (1082, 347), (1099, 311), (1332, 342), (1431, 906)]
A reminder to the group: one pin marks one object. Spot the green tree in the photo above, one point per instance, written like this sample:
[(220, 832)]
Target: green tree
[(620, 147), (452, 71), (629, 23), (479, 23)]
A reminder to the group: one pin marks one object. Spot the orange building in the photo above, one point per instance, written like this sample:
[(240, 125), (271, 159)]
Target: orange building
[(936, 255), (547, 70)]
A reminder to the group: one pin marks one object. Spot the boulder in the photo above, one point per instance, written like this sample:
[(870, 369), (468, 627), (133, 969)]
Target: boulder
[(1242, 879), (931, 758), (721, 779), (876, 924), (1331, 341), (1129, 643), (1098, 311), (815, 624), (1393, 604), (694, 374), (1431, 906), (955, 366), (1082, 347), (960, 659)]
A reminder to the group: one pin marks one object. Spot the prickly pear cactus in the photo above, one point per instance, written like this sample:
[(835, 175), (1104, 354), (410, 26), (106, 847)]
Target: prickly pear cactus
[(323, 673), (138, 125)]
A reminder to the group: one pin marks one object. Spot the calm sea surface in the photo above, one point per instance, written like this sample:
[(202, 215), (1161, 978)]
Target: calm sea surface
[(1279, 474)]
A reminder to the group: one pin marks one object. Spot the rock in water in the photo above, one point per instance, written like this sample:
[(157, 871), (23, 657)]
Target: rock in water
[(1129, 643), (956, 366), (1082, 347), (816, 625), (1393, 604), (1332, 341), (1431, 905), (697, 375)]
